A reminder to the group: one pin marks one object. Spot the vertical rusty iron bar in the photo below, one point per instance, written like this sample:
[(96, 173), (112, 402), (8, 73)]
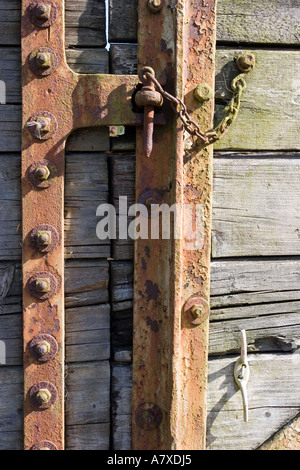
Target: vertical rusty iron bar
[(171, 292)]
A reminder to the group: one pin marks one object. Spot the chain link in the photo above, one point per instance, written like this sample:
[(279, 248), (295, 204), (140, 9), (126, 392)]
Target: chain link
[(238, 86)]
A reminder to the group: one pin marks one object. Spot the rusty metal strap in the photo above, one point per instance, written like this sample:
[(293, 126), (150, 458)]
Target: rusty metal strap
[(55, 101)]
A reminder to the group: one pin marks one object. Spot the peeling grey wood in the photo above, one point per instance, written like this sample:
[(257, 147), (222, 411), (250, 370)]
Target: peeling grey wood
[(268, 22)]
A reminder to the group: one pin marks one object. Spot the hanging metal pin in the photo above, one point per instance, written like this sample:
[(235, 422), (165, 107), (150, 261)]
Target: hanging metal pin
[(242, 374), (148, 98)]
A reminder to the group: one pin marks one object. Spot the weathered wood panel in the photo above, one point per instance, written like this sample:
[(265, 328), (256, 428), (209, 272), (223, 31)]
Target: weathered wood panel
[(255, 207), (273, 400), (88, 406), (265, 22), (85, 22), (255, 204), (121, 406)]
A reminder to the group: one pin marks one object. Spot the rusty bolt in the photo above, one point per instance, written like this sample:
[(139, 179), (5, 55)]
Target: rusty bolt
[(148, 416), (43, 285), (44, 445), (203, 92), (42, 173), (43, 396), (43, 12), (43, 238), (43, 60), (155, 5), (196, 311), (42, 348), (245, 62)]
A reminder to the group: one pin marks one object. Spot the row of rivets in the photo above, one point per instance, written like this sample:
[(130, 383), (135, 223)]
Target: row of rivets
[(44, 238)]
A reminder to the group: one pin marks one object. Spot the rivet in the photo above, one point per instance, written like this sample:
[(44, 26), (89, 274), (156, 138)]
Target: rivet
[(245, 62), (148, 416), (155, 5), (203, 92)]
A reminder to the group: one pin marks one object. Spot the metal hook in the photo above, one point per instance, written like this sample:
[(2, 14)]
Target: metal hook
[(242, 373)]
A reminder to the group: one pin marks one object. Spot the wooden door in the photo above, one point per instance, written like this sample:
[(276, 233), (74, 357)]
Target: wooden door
[(255, 242)]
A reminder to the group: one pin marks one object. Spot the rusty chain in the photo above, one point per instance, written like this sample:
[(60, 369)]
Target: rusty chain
[(245, 63)]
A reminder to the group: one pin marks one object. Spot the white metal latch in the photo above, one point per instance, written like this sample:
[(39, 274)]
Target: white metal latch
[(242, 373)]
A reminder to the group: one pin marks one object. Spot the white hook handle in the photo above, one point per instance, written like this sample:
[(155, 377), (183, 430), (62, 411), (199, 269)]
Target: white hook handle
[(242, 373)]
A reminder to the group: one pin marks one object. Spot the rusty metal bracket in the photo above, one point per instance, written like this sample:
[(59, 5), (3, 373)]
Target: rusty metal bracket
[(171, 292), (55, 102)]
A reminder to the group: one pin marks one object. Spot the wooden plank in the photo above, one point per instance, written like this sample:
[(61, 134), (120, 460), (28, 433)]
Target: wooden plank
[(256, 212), (85, 22), (265, 22), (121, 406), (86, 187)]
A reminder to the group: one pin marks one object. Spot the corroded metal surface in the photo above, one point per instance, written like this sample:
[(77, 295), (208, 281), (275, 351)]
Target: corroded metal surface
[(55, 101), (170, 352)]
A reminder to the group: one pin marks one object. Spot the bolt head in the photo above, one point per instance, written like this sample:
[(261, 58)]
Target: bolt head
[(42, 173), (43, 285), (43, 396), (43, 12), (245, 62), (42, 348), (44, 238), (43, 60), (197, 311), (155, 5), (203, 92)]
